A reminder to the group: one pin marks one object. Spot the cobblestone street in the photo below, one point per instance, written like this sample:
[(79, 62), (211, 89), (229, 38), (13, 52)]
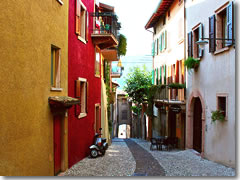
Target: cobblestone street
[(132, 157)]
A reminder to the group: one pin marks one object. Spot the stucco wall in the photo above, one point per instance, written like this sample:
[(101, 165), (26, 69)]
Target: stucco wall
[(28, 28), (81, 60), (175, 36), (216, 74)]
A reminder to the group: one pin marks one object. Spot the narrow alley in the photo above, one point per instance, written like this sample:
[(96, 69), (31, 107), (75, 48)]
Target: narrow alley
[(132, 157)]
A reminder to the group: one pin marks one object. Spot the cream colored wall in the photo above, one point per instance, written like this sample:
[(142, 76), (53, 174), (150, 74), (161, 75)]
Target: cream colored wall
[(28, 28), (175, 36), (216, 74)]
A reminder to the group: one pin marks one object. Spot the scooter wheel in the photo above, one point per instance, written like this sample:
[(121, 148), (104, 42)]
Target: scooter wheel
[(94, 153)]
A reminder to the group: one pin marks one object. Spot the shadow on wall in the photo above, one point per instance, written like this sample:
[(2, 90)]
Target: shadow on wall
[(124, 131)]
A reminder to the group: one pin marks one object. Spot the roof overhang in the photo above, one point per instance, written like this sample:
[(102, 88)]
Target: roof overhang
[(162, 8)]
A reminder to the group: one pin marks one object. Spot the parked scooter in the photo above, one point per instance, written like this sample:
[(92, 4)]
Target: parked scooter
[(99, 146)]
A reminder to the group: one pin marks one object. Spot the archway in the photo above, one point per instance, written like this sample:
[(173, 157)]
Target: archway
[(195, 125)]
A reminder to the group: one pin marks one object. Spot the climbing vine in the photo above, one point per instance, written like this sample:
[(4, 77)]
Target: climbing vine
[(109, 96)]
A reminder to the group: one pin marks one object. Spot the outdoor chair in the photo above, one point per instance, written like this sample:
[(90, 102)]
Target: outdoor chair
[(170, 142), (153, 143)]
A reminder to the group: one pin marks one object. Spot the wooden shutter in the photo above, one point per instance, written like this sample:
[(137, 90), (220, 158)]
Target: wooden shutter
[(165, 40), (230, 27), (200, 35), (87, 26), (78, 16), (212, 34), (190, 53), (160, 43), (153, 48), (58, 68), (161, 75), (156, 76), (78, 95), (177, 72), (165, 74)]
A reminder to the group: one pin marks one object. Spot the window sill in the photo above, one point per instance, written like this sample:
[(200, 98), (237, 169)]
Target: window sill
[(97, 75), (221, 50), (56, 89), (60, 2), (82, 115), (81, 39)]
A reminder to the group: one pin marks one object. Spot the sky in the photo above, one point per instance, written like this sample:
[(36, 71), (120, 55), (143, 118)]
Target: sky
[(133, 16)]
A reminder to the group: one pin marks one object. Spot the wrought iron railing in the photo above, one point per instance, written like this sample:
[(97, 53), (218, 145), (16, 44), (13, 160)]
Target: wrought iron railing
[(117, 71), (106, 23)]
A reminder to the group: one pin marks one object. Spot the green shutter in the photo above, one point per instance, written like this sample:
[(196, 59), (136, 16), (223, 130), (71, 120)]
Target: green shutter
[(152, 76), (165, 39), (160, 75), (153, 48), (164, 74)]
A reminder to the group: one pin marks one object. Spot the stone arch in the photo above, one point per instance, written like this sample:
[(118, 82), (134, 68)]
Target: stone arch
[(189, 128)]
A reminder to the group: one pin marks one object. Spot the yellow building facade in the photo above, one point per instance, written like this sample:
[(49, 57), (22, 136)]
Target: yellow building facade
[(30, 30)]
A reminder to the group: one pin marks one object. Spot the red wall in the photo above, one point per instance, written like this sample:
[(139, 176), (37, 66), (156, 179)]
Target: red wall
[(81, 63)]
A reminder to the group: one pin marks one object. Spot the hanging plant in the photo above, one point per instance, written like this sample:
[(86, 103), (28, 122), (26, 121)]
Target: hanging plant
[(217, 115), (177, 86), (122, 45), (191, 63)]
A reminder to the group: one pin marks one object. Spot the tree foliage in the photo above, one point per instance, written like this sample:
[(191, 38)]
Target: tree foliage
[(122, 46), (137, 83)]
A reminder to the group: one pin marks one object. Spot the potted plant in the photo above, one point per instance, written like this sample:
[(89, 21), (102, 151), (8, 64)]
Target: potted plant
[(191, 63), (217, 115), (177, 86)]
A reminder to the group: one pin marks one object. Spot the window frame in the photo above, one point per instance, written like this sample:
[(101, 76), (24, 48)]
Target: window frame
[(55, 71), (226, 104), (97, 73), (81, 94), (82, 21)]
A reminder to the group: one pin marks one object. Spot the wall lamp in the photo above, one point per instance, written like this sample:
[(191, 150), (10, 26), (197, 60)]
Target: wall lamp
[(202, 42)]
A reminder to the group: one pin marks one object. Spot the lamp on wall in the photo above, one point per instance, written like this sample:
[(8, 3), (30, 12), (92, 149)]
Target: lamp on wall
[(202, 42)]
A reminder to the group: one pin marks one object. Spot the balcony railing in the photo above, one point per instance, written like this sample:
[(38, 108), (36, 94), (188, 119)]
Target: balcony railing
[(106, 23), (116, 72), (166, 94)]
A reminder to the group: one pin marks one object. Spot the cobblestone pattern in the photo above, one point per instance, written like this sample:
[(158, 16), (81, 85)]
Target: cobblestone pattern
[(186, 163), (146, 164), (118, 161)]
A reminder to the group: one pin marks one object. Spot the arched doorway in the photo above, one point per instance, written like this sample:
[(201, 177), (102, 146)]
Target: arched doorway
[(197, 125)]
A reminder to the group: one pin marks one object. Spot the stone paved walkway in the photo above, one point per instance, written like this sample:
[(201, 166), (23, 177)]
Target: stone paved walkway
[(146, 164)]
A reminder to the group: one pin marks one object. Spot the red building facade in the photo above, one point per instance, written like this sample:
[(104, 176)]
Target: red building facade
[(83, 83)]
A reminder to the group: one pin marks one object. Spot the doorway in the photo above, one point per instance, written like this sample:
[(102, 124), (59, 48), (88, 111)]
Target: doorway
[(197, 125)]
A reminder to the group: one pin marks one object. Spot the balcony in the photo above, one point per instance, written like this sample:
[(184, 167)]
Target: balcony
[(104, 34), (116, 72), (167, 95), (110, 54)]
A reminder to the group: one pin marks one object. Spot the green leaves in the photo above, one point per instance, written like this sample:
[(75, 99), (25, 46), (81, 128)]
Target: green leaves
[(122, 46), (137, 82), (191, 63), (217, 115)]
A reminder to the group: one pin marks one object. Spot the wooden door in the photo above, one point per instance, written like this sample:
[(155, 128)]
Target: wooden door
[(57, 144), (172, 124), (197, 125)]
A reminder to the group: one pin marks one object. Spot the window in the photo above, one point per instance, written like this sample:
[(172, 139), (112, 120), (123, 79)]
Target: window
[(169, 14), (81, 93), (222, 104), (97, 63), (55, 68), (97, 117), (221, 26), (194, 49), (163, 41), (81, 21)]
